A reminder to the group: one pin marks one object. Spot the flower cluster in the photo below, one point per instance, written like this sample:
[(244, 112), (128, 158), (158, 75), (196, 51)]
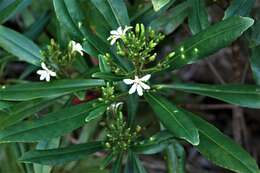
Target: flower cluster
[(137, 45), (58, 60), (119, 136)]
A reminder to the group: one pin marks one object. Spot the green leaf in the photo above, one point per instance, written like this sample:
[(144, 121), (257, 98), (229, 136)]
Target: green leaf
[(43, 145), (96, 113), (154, 144), (56, 88), (103, 64), (173, 119), (242, 95), (61, 155), (4, 105), (132, 108), (215, 37), (158, 4), (50, 126), (117, 165), (175, 158), (19, 46), (65, 19), (38, 26), (108, 76), (8, 11), (222, 150), (255, 63), (71, 17), (239, 8), (22, 110), (171, 19), (114, 12), (198, 17), (133, 164)]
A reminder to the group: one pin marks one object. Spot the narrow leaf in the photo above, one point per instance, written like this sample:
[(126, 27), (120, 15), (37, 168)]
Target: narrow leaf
[(114, 11), (8, 11), (50, 126), (22, 110), (242, 95), (43, 145), (198, 17), (173, 119), (19, 46), (56, 88), (158, 4), (61, 155), (154, 144), (222, 150), (215, 37), (171, 19), (240, 8)]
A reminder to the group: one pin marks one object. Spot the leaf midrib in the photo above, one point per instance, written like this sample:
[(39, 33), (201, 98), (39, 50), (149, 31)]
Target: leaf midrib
[(212, 90), (202, 40), (17, 45), (114, 13), (46, 124), (42, 88), (68, 152), (187, 133), (224, 149)]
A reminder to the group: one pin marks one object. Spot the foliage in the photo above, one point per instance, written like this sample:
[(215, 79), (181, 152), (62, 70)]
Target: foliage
[(103, 59)]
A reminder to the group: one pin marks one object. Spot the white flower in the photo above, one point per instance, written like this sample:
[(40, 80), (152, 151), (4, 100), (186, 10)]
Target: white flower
[(117, 34), (77, 47), (138, 84), (45, 73)]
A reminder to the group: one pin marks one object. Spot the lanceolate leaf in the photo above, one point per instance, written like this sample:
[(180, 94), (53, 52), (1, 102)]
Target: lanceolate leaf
[(22, 110), (175, 158), (134, 164), (239, 7), (209, 41), (8, 11), (173, 119), (61, 155), (19, 46), (171, 19), (43, 145), (222, 150), (242, 95), (255, 63), (158, 4), (51, 125), (108, 76), (114, 11), (70, 15), (47, 89), (154, 144), (198, 18)]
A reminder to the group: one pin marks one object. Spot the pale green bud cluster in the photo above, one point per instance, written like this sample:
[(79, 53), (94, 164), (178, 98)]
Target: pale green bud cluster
[(108, 93), (119, 136), (138, 45), (59, 59)]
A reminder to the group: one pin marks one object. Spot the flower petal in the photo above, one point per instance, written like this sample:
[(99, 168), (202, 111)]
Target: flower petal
[(44, 67), (128, 81), (47, 77), (52, 73), (113, 32), (40, 72), (145, 86), (113, 41), (133, 88), (139, 90), (145, 78)]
